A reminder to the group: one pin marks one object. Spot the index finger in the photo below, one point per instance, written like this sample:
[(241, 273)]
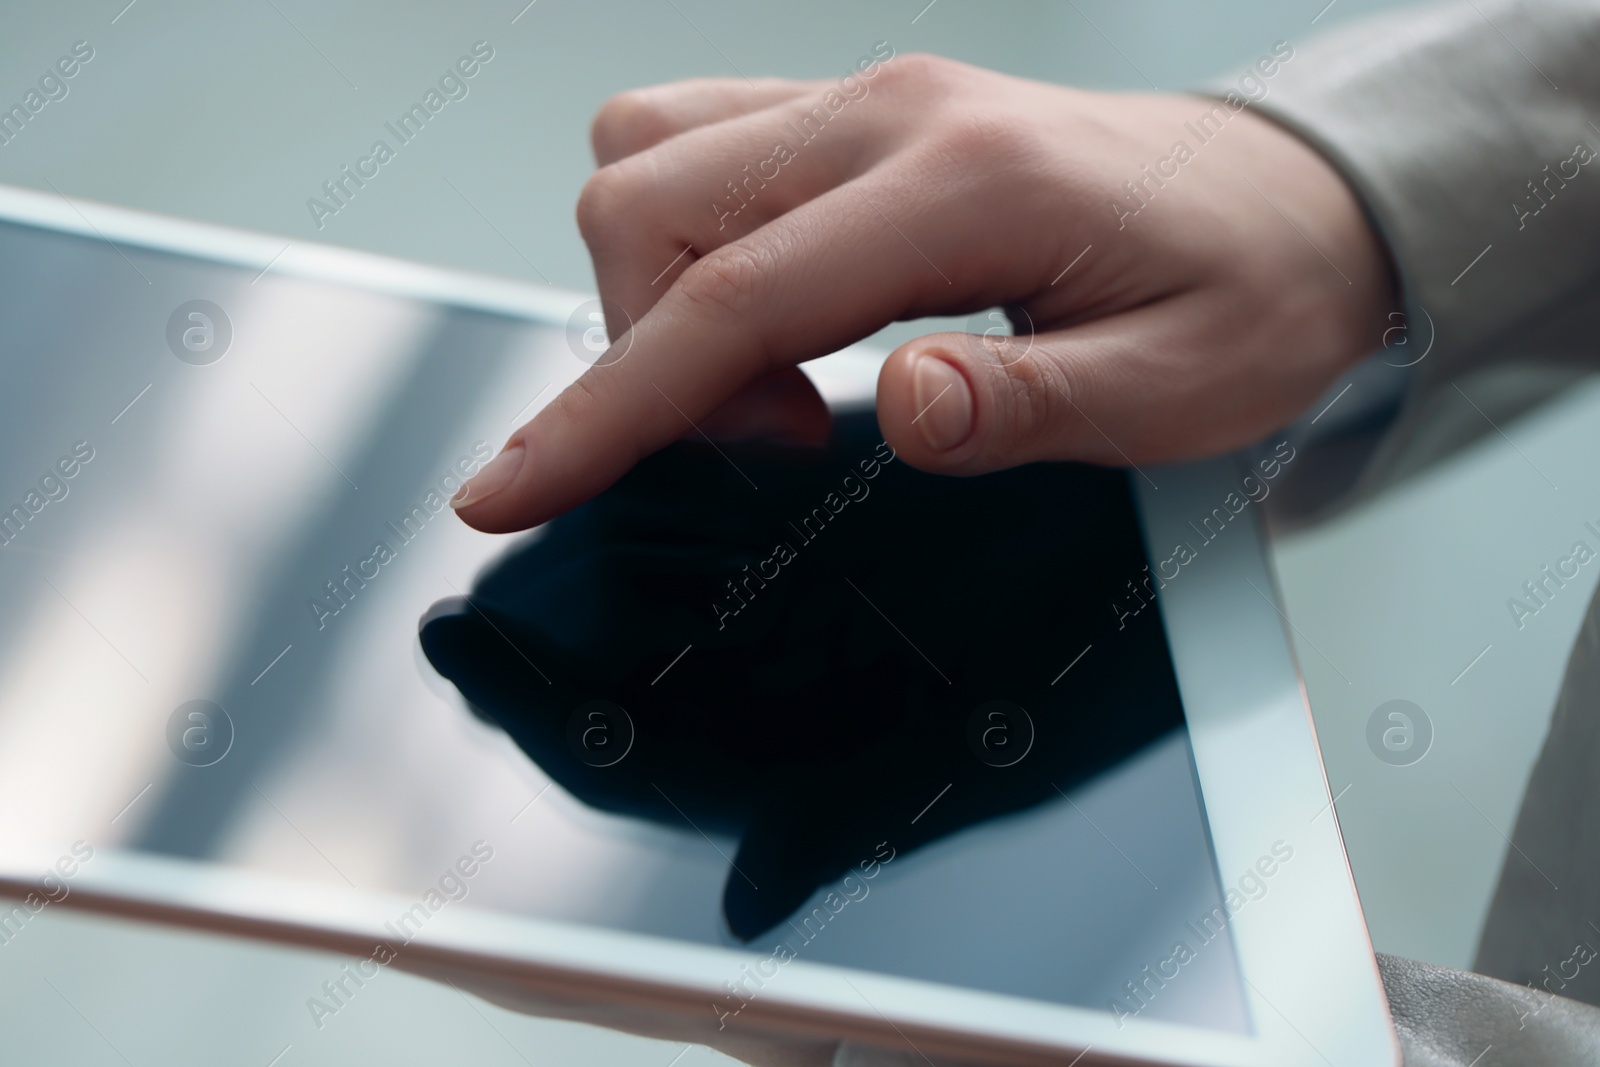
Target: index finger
[(808, 283)]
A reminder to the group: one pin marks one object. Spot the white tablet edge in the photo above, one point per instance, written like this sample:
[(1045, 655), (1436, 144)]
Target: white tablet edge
[(1256, 757)]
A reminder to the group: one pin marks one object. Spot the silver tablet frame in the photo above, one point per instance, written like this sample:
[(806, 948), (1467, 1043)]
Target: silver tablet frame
[(1311, 982)]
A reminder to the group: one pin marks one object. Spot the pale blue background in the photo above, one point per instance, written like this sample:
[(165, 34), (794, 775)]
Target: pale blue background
[(232, 114)]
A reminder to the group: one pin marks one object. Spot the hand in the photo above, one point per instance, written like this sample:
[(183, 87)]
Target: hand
[(1247, 280)]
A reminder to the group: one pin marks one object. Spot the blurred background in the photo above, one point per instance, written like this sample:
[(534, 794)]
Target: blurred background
[(237, 114)]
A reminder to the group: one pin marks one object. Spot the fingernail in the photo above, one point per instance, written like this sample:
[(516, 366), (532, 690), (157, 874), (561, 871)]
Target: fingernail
[(944, 403), (496, 474)]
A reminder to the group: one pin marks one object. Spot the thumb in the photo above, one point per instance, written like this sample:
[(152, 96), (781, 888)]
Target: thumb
[(961, 403)]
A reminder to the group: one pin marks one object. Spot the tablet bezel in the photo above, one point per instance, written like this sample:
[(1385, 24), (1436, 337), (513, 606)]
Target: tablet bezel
[(1254, 746)]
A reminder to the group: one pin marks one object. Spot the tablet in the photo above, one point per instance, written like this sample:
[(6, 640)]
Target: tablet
[(1014, 768)]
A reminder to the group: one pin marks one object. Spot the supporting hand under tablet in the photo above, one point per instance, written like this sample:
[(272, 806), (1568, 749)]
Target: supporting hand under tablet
[(743, 228)]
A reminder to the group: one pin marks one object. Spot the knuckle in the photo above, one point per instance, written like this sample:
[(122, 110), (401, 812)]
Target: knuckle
[(920, 71), (582, 397), (588, 399), (627, 122), (601, 203), (978, 139), (1035, 394), (726, 282)]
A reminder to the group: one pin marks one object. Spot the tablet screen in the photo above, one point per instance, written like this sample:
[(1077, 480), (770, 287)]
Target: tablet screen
[(807, 704)]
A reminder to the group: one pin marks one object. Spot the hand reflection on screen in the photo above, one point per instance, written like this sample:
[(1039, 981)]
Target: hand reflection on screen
[(824, 653)]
